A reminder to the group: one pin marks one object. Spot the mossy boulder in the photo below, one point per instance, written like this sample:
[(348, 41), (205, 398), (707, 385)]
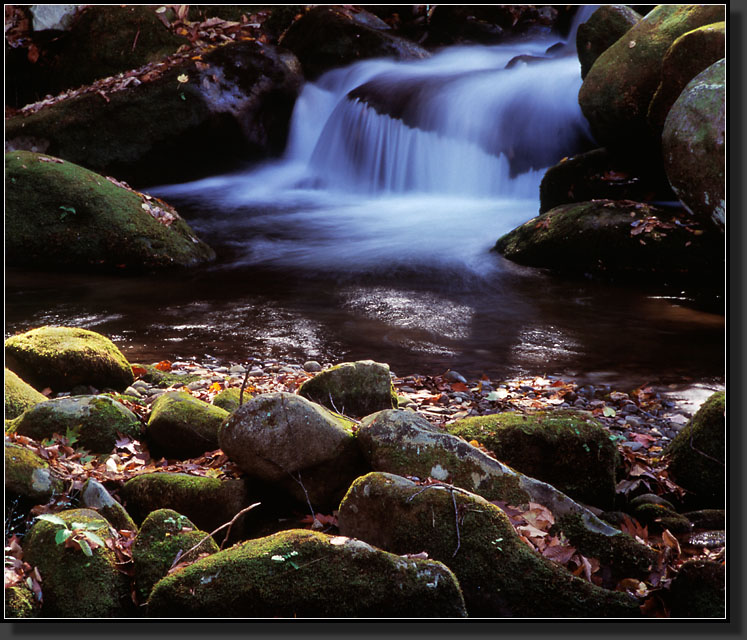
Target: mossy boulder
[(604, 27), (94, 420), (20, 602), (28, 475), (694, 145), (182, 426), (228, 399), (326, 37), (63, 357), (352, 388), (76, 585), (287, 440), (499, 574), (208, 502), (19, 395), (305, 574), (94, 495), (699, 590), (697, 455), (658, 517), (234, 105), (618, 89), (689, 54), (165, 538), (619, 240), (165, 379), (567, 449), (60, 215)]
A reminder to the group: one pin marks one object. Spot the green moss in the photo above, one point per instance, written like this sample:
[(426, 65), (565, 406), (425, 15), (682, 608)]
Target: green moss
[(74, 584), (21, 603), (165, 379), (228, 399), (19, 395), (659, 517), (27, 474), (307, 574)]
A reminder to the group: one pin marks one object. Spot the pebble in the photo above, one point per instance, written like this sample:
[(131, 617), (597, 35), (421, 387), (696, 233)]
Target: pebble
[(132, 391), (256, 371), (312, 366), (237, 368), (455, 376)]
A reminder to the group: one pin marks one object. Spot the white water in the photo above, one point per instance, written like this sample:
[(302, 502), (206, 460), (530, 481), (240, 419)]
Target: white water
[(357, 191)]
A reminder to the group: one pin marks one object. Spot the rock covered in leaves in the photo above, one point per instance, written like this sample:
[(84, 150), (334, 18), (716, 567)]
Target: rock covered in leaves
[(182, 426), (165, 539), (63, 357), (19, 395), (699, 590), (77, 585), (352, 388), (95, 421), (499, 574), (697, 454), (285, 439), (567, 449), (299, 573), (604, 27), (694, 144), (28, 475), (60, 215)]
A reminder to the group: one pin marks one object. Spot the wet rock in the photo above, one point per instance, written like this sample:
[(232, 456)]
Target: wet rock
[(19, 395), (498, 573), (605, 27), (694, 144), (269, 577), (95, 420), (28, 475), (95, 496), (707, 518), (699, 590), (352, 388), (182, 426), (61, 357)]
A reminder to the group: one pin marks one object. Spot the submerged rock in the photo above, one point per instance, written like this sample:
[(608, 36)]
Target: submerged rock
[(499, 574), (19, 395), (304, 574)]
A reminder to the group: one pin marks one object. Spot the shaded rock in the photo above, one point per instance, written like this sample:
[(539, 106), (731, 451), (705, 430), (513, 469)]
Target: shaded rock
[(326, 37), (697, 455), (657, 517), (600, 175), (694, 144), (95, 496), (62, 357), (60, 215), (208, 502), (699, 590), (77, 585), (619, 240), (20, 602), (274, 577), (28, 475), (235, 105), (707, 518), (404, 443), (19, 395), (618, 88), (95, 420), (689, 54), (182, 426), (228, 399), (499, 574), (165, 538), (352, 388), (285, 439), (651, 498), (604, 27), (567, 449)]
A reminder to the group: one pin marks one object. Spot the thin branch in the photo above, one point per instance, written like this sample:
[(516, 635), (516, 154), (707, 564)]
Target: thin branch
[(243, 384)]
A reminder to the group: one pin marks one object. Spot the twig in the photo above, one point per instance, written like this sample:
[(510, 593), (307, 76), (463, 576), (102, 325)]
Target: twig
[(702, 453), (456, 518), (134, 42), (452, 490), (306, 493), (243, 385)]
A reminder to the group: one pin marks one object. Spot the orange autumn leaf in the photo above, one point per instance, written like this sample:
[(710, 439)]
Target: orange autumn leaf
[(164, 365), (138, 371), (215, 387)]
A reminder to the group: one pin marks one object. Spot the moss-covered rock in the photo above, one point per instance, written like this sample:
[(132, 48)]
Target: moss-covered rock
[(567, 449), (499, 574), (352, 388), (182, 426), (63, 357), (28, 475), (697, 454), (234, 105), (19, 395), (604, 27), (326, 37), (694, 144), (228, 399), (20, 602), (62, 216), (95, 496), (707, 518), (76, 585), (699, 590), (621, 241), (658, 517), (94, 420), (299, 573), (166, 537), (165, 379), (285, 439), (618, 88), (208, 502), (689, 54)]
